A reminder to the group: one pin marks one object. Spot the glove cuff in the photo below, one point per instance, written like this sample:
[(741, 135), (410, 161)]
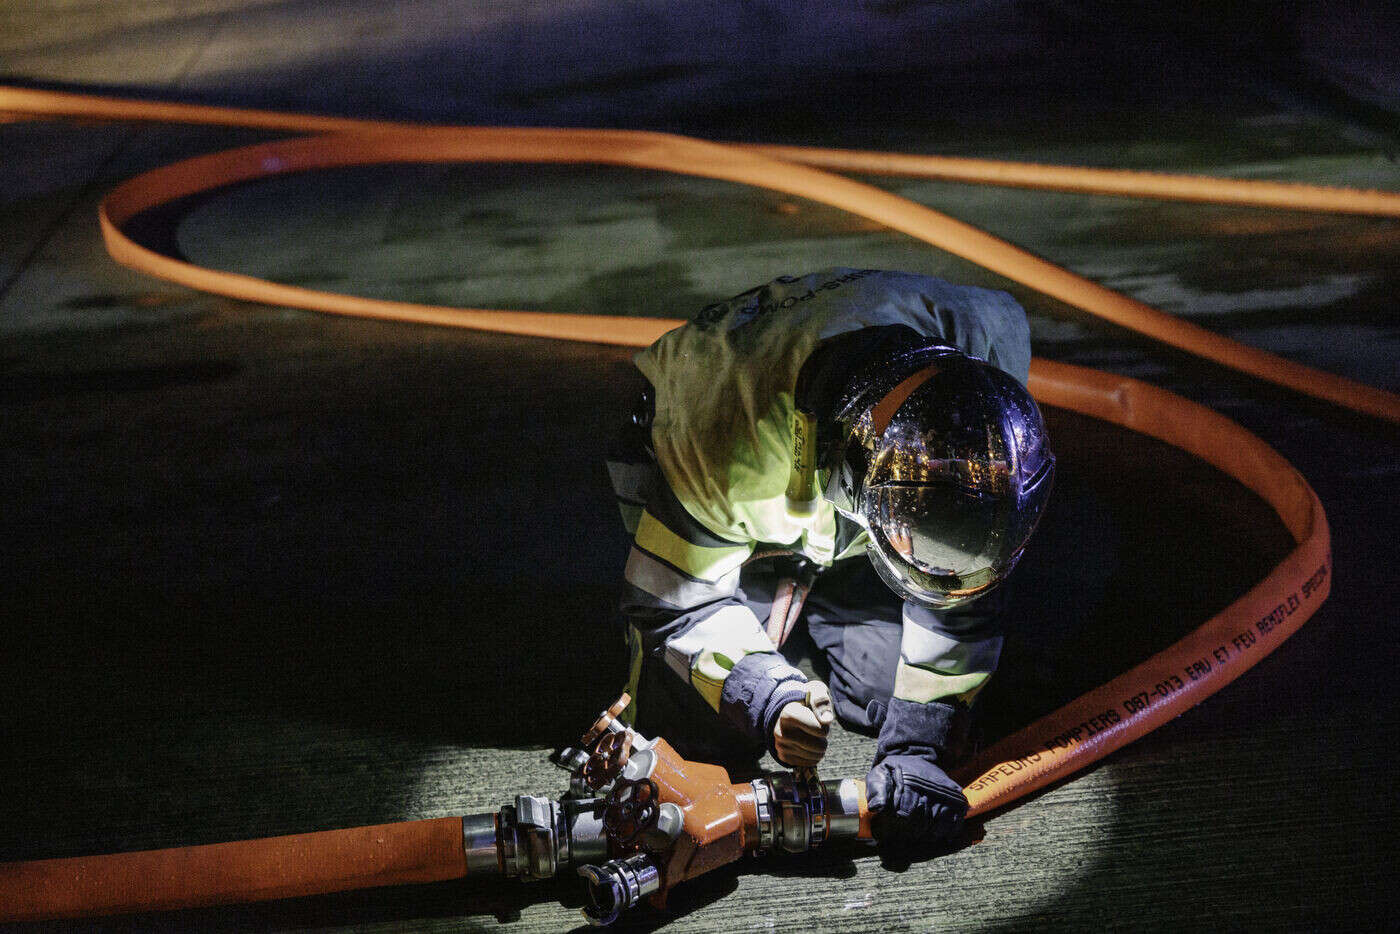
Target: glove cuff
[(756, 691), (912, 728)]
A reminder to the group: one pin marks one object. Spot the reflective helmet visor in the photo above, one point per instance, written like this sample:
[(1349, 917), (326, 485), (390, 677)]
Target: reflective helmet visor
[(943, 544)]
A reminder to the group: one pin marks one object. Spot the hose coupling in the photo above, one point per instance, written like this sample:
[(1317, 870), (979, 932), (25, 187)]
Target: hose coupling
[(532, 830), (533, 837), (617, 885), (797, 811)]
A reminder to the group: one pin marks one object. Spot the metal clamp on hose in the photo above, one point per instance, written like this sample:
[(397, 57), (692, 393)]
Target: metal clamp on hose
[(844, 799), (763, 805), (481, 842)]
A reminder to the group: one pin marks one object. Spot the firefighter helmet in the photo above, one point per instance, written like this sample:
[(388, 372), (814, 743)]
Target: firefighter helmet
[(943, 459)]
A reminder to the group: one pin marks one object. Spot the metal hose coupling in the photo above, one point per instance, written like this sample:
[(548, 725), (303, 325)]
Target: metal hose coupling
[(797, 811), (619, 884), (532, 838)]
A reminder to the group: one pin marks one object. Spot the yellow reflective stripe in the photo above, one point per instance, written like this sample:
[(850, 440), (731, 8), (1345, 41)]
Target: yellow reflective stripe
[(921, 685), (709, 650), (631, 516), (634, 675), (699, 561), (713, 665), (708, 678), (665, 583), (967, 697)]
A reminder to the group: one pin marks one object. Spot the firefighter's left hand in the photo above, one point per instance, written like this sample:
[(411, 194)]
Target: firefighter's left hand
[(799, 737), (913, 801)]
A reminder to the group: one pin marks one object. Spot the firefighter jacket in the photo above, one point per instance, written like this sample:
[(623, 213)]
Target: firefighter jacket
[(711, 487)]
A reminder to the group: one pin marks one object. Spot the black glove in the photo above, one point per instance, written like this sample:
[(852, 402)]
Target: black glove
[(914, 800)]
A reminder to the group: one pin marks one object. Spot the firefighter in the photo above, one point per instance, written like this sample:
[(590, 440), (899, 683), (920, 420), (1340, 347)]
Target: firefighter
[(852, 453)]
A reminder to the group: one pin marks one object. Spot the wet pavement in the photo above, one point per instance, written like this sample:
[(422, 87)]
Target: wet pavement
[(268, 572)]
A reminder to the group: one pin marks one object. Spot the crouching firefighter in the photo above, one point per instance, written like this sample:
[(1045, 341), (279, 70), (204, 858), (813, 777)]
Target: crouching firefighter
[(782, 435)]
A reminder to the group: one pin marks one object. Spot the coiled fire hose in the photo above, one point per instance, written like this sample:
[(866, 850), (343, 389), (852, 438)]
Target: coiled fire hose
[(1105, 719)]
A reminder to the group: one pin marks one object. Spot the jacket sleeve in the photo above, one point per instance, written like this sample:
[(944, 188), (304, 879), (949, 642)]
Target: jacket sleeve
[(948, 655), (681, 600)]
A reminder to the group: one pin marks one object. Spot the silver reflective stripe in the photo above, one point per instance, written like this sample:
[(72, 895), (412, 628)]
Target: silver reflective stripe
[(629, 481), (646, 573), (732, 631), (929, 648)]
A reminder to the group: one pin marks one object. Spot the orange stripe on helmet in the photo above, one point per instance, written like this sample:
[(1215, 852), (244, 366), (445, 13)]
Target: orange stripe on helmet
[(884, 410)]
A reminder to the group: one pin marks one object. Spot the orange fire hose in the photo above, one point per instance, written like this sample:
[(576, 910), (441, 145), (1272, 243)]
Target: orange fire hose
[(358, 142), (1157, 185), (1082, 732), (404, 853), (1205, 660)]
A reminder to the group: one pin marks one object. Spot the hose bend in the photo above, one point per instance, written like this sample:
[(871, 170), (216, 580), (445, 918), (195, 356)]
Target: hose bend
[(1215, 653), (348, 142), (1107, 718)]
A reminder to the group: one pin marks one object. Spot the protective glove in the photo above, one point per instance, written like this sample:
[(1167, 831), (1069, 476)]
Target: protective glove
[(799, 737), (761, 687), (914, 800)]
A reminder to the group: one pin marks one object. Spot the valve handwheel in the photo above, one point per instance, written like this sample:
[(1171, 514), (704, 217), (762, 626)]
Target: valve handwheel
[(605, 720), (631, 811), (607, 761)]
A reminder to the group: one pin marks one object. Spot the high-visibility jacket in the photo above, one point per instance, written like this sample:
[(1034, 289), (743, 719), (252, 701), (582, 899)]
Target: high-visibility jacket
[(713, 487)]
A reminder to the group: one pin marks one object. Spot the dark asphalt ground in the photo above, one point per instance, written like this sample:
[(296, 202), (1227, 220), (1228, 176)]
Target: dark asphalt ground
[(267, 572)]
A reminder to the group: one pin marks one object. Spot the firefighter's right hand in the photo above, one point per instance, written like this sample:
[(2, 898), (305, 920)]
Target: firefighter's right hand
[(799, 737)]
